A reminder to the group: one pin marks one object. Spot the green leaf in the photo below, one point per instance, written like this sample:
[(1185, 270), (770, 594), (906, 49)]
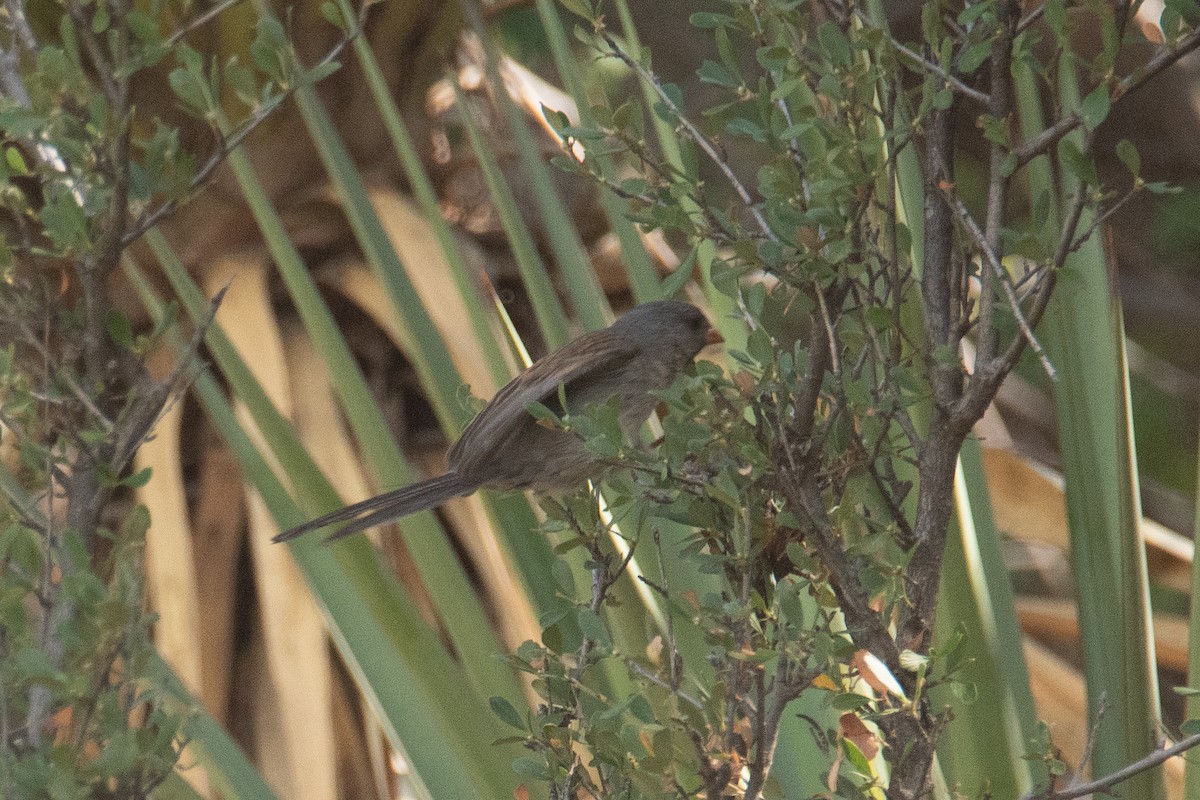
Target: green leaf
[(710, 19), (530, 767), (119, 328), (1129, 157), (1077, 163), (506, 712), (15, 161), (593, 627), (974, 55), (580, 7), (1095, 107), (331, 12), (834, 42), (714, 73), (190, 90), (740, 126), (849, 701), (139, 478), (564, 577)]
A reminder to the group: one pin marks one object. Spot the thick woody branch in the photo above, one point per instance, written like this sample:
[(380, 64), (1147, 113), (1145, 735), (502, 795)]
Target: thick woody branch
[(937, 290)]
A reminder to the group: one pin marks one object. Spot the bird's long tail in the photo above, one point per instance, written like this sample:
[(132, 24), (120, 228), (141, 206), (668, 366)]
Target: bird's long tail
[(386, 507)]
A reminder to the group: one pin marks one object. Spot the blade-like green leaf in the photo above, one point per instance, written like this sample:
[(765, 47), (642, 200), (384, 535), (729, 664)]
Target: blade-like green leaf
[(638, 266), (985, 743), (546, 307), (1083, 335), (1191, 772)]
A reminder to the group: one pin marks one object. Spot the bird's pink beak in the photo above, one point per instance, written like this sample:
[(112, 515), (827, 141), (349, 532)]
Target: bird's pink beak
[(714, 337)]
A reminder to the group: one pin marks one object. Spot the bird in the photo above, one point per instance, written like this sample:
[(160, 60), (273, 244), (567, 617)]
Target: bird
[(504, 447)]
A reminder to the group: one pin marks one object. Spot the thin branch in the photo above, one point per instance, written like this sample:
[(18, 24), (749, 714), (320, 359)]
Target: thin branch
[(693, 132), (1089, 746), (1101, 219), (83, 397), (1143, 764), (770, 716), (227, 144), (999, 106), (925, 64), (1078, 201), (834, 365), (1046, 139), (83, 29), (1159, 62), (989, 256), (659, 682), (200, 21), (19, 24), (152, 404), (1030, 18)]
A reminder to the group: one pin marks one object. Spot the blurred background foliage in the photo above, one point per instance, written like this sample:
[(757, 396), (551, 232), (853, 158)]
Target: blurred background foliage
[(387, 237)]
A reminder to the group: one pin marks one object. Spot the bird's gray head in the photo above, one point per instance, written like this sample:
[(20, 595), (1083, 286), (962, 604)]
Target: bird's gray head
[(667, 325)]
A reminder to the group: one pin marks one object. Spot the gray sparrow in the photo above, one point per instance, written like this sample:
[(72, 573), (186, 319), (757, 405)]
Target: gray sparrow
[(505, 447)]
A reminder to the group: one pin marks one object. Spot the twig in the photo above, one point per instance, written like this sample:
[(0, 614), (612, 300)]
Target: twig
[(834, 365), (999, 107), (151, 406), (1089, 746), (84, 399), (1159, 62), (770, 716), (672, 652), (956, 83), (1147, 762), (18, 23), (1046, 139), (990, 257), (1100, 220), (657, 681), (227, 144), (205, 18), (1031, 17), (693, 132)]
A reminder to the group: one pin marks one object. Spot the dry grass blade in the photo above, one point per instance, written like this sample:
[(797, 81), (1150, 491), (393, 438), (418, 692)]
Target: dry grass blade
[(1029, 505), (297, 653), (170, 564), (1055, 618)]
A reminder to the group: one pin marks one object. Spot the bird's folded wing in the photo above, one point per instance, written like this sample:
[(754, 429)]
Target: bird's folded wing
[(583, 359)]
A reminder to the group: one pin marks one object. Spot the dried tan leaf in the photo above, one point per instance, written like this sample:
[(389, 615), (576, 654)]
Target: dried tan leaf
[(1056, 618), (854, 729), (170, 566)]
